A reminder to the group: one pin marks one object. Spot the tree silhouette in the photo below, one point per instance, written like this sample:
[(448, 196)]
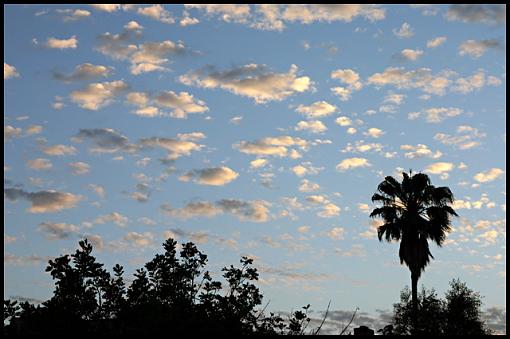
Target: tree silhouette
[(458, 314), (413, 212), (171, 294)]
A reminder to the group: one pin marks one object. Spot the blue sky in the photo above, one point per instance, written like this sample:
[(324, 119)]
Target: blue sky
[(254, 130)]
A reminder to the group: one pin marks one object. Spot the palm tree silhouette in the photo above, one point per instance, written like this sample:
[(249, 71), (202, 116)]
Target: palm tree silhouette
[(413, 212)]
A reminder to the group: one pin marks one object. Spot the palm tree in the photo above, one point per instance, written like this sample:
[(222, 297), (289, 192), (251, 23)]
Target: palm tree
[(413, 212)]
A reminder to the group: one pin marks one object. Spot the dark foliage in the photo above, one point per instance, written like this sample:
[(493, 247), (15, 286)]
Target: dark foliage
[(458, 314), (171, 294)]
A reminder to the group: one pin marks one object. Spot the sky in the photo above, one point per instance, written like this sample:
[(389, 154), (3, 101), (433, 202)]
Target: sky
[(257, 130)]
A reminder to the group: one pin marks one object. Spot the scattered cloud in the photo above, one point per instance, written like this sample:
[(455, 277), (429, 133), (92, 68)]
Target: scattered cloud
[(157, 12), (477, 48), (420, 151), (313, 126), (440, 168), (252, 80), (40, 164), (43, 201), (84, 71), (274, 146), (79, 168), (405, 31), (215, 176), (58, 231), (467, 137), (477, 13), (351, 163), (436, 42), (489, 175), (10, 71), (71, 43), (98, 95), (115, 217)]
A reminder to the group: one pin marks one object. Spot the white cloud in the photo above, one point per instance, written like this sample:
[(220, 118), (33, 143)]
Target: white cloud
[(343, 121), (98, 189), (332, 12), (216, 176), (98, 95), (115, 217), (477, 48), (140, 239), (79, 168), (157, 12), (274, 146), (374, 132), (411, 54), (313, 126), (58, 150), (34, 129), (258, 163), (489, 175), (10, 71), (305, 168), (336, 233), (39, 164), (420, 151), (72, 43), (11, 132), (57, 231), (405, 31), (252, 80), (466, 138), (316, 110), (182, 104), (351, 163), (44, 201), (107, 8), (69, 15), (440, 168), (308, 186), (329, 211), (84, 71), (436, 42), (133, 26)]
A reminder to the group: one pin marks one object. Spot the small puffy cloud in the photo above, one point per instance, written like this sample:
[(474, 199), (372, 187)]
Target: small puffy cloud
[(411, 54), (405, 31), (440, 168), (107, 8), (182, 103), (98, 95), (69, 15), (364, 208), (105, 140), (347, 76), (436, 115), (419, 151), (305, 168), (186, 20), (216, 176), (58, 231), (467, 137), (274, 146), (98, 189), (39, 164), (308, 186), (477, 48), (10, 71), (489, 175), (176, 148), (114, 217), (84, 71), (11, 132), (474, 82), (79, 168), (140, 239), (303, 229), (477, 13), (374, 132), (343, 121), (351, 130), (133, 26), (252, 80), (236, 120), (332, 12), (329, 210), (313, 126), (421, 78), (34, 129), (351, 163), (255, 211), (43, 201), (58, 150), (336, 233), (258, 163), (72, 43), (227, 12), (157, 12), (316, 110), (436, 42)]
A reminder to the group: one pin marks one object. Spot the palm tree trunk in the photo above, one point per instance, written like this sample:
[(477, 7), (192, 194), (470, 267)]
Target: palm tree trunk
[(414, 284)]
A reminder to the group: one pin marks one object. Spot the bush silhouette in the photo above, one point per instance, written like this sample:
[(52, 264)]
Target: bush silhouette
[(458, 314), (170, 294)]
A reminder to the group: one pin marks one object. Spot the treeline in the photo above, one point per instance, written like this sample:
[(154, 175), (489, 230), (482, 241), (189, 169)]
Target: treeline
[(175, 295)]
